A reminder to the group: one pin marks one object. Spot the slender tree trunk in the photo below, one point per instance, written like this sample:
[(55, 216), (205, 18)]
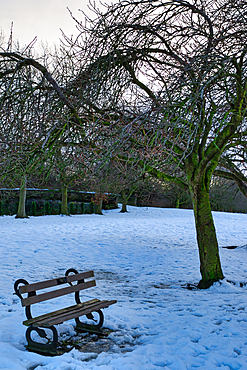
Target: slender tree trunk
[(64, 210), (21, 213), (124, 201), (210, 266), (98, 208)]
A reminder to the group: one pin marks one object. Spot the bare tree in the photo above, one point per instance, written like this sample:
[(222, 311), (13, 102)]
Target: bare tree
[(24, 120), (34, 111), (175, 72)]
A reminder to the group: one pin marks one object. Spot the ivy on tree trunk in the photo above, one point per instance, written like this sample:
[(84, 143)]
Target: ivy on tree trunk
[(64, 208), (124, 201), (21, 213), (210, 266)]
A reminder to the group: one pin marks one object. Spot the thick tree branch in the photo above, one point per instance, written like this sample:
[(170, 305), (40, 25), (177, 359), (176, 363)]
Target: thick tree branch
[(22, 62)]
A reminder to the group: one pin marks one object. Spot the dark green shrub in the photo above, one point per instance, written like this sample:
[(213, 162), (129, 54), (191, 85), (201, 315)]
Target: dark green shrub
[(1, 208), (72, 208), (47, 208), (33, 209)]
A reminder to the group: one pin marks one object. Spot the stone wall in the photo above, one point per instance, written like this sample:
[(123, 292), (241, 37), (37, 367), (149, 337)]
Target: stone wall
[(48, 202)]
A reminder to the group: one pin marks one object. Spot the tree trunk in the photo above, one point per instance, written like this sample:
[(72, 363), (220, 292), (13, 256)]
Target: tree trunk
[(210, 266), (98, 208), (124, 201), (64, 208), (21, 213)]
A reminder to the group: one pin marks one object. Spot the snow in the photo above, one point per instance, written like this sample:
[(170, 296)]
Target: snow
[(144, 259)]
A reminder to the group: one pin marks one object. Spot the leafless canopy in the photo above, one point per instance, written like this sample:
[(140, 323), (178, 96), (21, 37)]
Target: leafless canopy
[(171, 67)]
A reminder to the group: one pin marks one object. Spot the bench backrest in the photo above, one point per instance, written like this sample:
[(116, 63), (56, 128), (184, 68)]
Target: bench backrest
[(36, 298)]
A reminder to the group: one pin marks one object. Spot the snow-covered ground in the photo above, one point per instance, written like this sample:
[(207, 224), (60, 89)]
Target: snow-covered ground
[(144, 259)]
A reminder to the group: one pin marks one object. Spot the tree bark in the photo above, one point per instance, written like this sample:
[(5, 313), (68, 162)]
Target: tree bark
[(21, 213), (124, 202), (64, 208), (98, 209), (210, 266)]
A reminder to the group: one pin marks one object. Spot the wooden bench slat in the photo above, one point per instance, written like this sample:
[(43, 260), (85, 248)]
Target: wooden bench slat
[(57, 293), (78, 313), (53, 282), (58, 312), (58, 317)]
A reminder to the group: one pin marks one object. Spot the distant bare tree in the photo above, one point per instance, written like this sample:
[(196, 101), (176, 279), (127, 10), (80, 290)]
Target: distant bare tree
[(34, 111), (24, 120)]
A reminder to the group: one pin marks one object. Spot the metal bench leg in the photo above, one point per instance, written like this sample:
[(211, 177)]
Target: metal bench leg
[(41, 347), (93, 328)]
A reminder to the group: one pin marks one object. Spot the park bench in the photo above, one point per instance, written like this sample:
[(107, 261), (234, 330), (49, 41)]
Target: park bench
[(81, 281)]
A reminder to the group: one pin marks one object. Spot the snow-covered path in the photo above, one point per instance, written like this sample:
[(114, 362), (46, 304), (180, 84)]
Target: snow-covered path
[(144, 259)]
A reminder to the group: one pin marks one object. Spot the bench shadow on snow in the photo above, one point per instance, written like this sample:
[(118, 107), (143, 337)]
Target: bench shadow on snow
[(95, 343)]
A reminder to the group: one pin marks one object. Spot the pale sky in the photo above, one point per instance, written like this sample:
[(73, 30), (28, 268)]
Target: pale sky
[(41, 18)]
